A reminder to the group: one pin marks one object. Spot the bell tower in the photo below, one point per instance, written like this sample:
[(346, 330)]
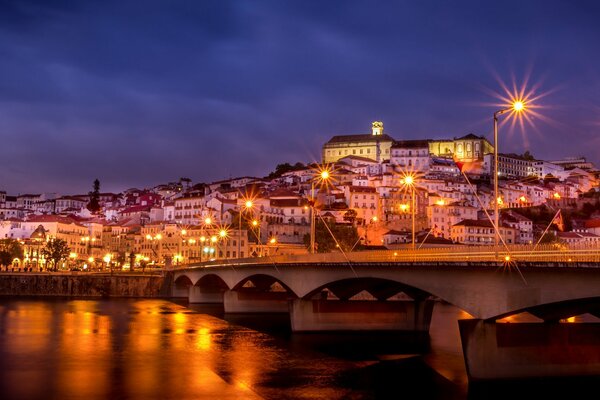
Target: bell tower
[(377, 128)]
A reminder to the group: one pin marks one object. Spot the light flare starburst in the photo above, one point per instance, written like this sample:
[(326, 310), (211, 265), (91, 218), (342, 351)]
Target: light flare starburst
[(522, 106), (324, 176)]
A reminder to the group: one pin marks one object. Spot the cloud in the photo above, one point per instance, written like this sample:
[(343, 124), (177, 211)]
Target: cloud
[(138, 93)]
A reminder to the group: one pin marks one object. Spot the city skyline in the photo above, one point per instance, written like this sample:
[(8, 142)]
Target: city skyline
[(218, 90)]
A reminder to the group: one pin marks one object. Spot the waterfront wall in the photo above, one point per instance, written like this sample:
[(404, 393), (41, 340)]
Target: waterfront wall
[(84, 285)]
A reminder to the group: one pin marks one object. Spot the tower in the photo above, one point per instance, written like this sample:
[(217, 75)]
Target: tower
[(377, 128)]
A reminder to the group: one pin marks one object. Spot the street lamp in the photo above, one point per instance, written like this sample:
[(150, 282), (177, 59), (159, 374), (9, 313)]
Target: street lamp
[(107, 259), (517, 107), (158, 238), (373, 220), (322, 177), (248, 204), (409, 181)]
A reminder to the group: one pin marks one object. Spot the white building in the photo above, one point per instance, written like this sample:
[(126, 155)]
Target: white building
[(442, 216), (411, 155)]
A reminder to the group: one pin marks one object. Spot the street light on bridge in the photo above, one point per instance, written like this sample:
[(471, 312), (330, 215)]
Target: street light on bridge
[(517, 106), (409, 181), (322, 177), (247, 205)]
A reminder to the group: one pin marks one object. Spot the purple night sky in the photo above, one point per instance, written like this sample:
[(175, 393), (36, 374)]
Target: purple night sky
[(136, 93)]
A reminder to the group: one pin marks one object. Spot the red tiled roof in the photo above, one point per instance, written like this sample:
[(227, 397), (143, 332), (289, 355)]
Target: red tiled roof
[(362, 189), (134, 209), (52, 218), (592, 223)]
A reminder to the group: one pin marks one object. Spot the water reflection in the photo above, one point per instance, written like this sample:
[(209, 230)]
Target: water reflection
[(154, 349)]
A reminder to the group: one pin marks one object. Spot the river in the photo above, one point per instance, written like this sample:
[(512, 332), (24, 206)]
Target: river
[(156, 349)]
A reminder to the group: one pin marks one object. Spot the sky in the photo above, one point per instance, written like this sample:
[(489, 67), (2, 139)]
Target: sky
[(137, 93)]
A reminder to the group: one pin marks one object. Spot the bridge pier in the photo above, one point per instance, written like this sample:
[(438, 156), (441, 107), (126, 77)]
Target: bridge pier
[(529, 350), (180, 290), (205, 295), (250, 301), (360, 315)]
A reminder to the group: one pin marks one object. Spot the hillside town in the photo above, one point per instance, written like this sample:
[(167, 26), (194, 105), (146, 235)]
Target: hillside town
[(389, 193)]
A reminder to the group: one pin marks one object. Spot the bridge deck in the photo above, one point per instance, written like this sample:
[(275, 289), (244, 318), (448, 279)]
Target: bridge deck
[(514, 255)]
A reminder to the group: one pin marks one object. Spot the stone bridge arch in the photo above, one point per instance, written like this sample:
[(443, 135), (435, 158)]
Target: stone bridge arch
[(181, 286), (263, 283), (377, 288), (211, 281)]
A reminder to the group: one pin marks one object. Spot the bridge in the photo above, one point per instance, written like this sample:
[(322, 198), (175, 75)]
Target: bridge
[(397, 289)]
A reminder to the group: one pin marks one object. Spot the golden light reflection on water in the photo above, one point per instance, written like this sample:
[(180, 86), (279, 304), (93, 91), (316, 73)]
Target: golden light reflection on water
[(153, 349), (203, 339)]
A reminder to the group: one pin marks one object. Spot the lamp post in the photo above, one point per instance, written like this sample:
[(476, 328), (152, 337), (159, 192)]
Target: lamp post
[(373, 220), (248, 204), (256, 227), (107, 258), (517, 107), (223, 236), (158, 238), (409, 181), (322, 177)]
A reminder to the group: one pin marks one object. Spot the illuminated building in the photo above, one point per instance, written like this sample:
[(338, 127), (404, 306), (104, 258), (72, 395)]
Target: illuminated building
[(468, 148), (375, 146)]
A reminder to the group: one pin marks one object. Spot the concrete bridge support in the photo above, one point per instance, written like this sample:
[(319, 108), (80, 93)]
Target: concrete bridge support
[(205, 295), (180, 290), (250, 301), (360, 315), (527, 350)]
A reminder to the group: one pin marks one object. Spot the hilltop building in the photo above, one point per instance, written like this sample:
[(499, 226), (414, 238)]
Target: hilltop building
[(375, 146)]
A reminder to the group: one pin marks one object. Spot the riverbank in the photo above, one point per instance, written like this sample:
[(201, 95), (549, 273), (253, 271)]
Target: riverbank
[(85, 285)]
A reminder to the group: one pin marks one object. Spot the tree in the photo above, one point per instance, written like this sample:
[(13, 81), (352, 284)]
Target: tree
[(186, 181), (528, 156), (281, 169), (548, 238), (9, 250), (131, 261), (94, 203), (56, 250), (350, 216), (346, 236)]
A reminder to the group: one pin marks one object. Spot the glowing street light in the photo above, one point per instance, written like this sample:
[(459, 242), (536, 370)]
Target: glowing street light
[(517, 106), (322, 177), (409, 181), (248, 205)]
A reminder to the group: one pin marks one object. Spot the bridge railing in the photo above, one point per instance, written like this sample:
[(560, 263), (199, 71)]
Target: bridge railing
[(547, 253)]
